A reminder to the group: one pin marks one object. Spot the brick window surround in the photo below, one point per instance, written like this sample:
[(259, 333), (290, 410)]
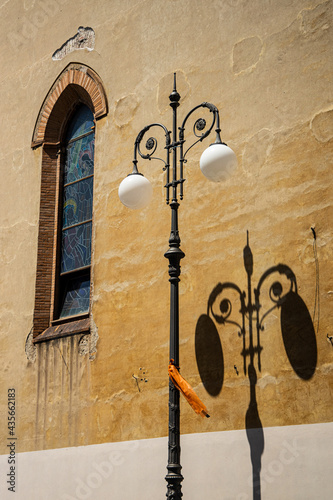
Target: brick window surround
[(77, 84)]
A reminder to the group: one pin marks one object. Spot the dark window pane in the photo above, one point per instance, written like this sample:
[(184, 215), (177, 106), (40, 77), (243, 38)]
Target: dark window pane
[(76, 247), (77, 203), (79, 159), (76, 297), (81, 123)]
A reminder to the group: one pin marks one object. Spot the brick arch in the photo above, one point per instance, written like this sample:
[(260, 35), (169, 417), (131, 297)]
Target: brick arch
[(77, 83)]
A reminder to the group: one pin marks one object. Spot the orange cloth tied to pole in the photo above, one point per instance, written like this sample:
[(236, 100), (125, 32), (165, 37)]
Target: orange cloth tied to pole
[(184, 387)]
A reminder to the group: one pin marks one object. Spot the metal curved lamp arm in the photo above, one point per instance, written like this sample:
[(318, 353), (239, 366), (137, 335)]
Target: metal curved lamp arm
[(199, 125), (151, 143), (151, 146)]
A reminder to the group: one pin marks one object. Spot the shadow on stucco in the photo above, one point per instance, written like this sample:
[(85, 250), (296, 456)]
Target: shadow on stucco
[(247, 311)]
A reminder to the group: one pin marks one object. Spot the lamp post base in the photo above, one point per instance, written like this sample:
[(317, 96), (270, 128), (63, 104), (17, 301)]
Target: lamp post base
[(174, 479)]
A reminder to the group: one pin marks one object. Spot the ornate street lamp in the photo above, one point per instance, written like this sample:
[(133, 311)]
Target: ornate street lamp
[(217, 163)]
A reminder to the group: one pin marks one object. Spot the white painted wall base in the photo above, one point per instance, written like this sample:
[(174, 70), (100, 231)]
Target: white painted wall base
[(296, 465)]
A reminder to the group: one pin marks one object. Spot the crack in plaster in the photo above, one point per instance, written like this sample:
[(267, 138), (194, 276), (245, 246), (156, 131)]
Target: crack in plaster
[(22, 221), (321, 125), (29, 4), (125, 110), (4, 3), (122, 395), (246, 54), (313, 20)]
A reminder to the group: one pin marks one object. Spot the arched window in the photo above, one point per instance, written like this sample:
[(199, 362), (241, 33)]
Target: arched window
[(65, 128)]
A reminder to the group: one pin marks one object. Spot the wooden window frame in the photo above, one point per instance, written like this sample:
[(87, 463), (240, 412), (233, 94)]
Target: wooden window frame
[(77, 84)]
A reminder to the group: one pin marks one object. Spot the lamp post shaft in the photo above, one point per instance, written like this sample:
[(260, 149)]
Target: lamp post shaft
[(135, 191), (174, 255)]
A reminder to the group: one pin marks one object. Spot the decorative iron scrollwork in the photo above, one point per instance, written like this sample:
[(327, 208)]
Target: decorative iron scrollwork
[(200, 124)]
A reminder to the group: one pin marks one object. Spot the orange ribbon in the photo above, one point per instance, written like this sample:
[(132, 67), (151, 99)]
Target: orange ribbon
[(184, 387)]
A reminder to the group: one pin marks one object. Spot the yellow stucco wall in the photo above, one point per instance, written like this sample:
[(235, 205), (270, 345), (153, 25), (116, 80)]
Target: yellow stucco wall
[(267, 67)]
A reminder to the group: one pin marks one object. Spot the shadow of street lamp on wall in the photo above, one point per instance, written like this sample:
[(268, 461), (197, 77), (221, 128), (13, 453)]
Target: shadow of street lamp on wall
[(297, 332), (217, 163)]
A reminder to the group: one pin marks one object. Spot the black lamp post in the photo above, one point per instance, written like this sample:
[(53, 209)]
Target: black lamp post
[(217, 162)]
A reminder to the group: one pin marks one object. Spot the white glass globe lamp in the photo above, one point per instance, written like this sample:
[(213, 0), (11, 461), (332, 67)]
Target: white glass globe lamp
[(135, 191), (218, 162)]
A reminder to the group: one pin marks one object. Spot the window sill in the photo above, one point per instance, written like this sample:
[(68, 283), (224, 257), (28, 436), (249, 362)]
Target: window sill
[(69, 319), (63, 330)]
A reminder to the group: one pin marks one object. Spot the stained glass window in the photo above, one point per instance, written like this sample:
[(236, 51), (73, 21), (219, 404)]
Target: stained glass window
[(76, 247), (80, 159), (82, 122), (76, 297), (77, 203)]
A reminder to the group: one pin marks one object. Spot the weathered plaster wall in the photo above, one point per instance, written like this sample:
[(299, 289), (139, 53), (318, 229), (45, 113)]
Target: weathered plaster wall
[(267, 66)]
